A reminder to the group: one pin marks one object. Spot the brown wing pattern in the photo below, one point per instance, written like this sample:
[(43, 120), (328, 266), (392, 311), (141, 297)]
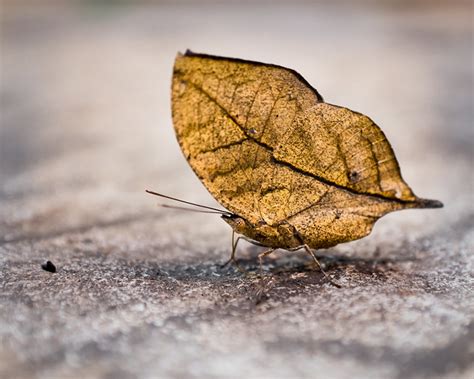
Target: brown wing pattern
[(269, 149)]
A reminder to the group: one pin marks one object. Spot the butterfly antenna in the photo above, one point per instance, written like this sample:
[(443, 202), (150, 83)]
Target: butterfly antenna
[(190, 209), (210, 209)]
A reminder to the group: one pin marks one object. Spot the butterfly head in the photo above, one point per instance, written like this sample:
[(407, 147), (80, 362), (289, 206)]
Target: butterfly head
[(238, 224)]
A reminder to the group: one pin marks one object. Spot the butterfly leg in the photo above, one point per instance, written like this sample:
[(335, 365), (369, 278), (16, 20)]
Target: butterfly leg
[(232, 255), (261, 256), (262, 289), (310, 252), (234, 249)]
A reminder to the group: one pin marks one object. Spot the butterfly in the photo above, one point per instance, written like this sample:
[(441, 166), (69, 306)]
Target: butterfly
[(293, 171)]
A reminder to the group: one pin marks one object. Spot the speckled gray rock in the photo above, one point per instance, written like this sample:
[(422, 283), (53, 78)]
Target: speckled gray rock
[(138, 291)]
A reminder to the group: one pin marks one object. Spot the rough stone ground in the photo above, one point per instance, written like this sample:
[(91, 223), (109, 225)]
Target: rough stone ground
[(85, 128)]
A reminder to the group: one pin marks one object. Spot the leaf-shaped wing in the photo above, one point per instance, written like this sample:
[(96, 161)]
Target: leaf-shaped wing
[(269, 149)]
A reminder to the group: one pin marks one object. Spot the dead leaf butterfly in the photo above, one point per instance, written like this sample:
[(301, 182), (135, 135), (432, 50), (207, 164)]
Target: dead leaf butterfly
[(292, 171)]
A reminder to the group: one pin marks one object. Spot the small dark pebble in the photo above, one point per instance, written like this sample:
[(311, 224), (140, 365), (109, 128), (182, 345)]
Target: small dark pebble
[(48, 266)]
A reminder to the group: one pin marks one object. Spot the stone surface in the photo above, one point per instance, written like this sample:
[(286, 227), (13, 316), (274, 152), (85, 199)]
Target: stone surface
[(138, 292)]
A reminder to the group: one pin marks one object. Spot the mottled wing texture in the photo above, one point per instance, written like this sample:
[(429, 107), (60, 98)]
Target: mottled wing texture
[(269, 149)]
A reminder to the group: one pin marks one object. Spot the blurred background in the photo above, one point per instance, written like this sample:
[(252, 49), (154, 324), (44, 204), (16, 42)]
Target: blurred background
[(85, 127), (85, 89)]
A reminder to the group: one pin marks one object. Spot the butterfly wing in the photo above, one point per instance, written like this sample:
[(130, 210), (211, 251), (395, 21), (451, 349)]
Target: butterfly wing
[(269, 149)]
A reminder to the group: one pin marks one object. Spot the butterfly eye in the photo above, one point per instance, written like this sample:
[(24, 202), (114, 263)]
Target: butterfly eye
[(240, 222)]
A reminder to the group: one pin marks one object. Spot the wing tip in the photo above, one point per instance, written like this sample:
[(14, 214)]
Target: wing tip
[(428, 203)]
